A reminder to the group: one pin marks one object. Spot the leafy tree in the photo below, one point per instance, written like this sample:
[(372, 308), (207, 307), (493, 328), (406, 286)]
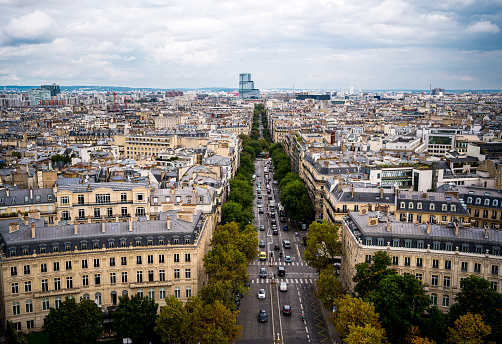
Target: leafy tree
[(296, 201), (15, 336), (469, 328), (288, 179), (170, 322), (263, 144), (401, 302), (283, 168), (221, 291), (235, 212), (329, 287), (366, 334), (368, 276), (245, 241), (433, 324), (354, 312), (255, 144), (135, 318), (74, 323), (249, 151), (246, 165), (58, 157), (16, 154), (323, 245), (476, 296), (413, 337)]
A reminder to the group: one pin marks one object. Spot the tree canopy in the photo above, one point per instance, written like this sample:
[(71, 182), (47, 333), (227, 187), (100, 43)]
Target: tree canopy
[(135, 318), (323, 245), (469, 328), (74, 323), (368, 276), (329, 287)]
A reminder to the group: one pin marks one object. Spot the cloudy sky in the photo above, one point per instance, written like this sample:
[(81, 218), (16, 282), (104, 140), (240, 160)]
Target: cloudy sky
[(311, 44)]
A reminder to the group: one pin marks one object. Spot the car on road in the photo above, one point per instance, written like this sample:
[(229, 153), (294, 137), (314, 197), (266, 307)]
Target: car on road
[(275, 232), (259, 196), (263, 255), (283, 219), (275, 182), (262, 243), (261, 294), (262, 227), (274, 222), (263, 273), (262, 316), (260, 211), (285, 228), (282, 271), (286, 244), (277, 247), (283, 286), (286, 310), (274, 227), (272, 213), (287, 259)]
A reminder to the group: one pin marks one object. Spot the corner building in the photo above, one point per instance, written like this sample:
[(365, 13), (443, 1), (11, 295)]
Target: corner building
[(41, 265), (440, 256)]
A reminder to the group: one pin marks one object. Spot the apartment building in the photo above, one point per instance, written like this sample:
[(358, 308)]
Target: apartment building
[(439, 256), (21, 201), (43, 265)]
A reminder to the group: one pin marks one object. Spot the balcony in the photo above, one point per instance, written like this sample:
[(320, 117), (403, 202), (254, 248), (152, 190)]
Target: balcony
[(146, 284), (57, 292)]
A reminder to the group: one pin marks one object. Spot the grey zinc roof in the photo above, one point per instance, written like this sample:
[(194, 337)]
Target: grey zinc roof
[(407, 230)]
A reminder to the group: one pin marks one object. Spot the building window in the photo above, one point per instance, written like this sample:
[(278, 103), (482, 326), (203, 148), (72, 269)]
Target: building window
[(86, 296), (419, 205), (431, 206), (43, 267), (407, 261), (140, 211), (367, 258), (465, 247), (395, 260), (477, 268), (407, 243), (485, 214), (113, 298), (65, 215), (162, 275), (140, 197), (177, 293), (434, 299), (469, 199), (435, 263), (85, 280), (138, 243), (138, 260), (80, 199), (434, 280), (123, 197), (16, 310), (380, 242), (444, 207), (96, 262), (420, 244), (151, 293), (436, 245), (419, 277), (395, 242), (419, 262), (176, 241), (65, 200), (161, 258), (176, 257), (176, 273), (69, 282), (495, 269), (45, 304), (494, 285), (162, 293), (464, 266), (150, 259), (446, 281), (84, 264), (139, 276), (45, 285), (150, 275), (140, 292), (97, 299), (453, 208), (447, 264), (188, 274), (57, 283), (479, 249), (402, 205), (496, 251), (15, 288), (478, 200), (97, 279), (124, 277), (13, 271), (103, 198), (410, 205), (113, 278), (446, 301), (188, 292), (449, 246)]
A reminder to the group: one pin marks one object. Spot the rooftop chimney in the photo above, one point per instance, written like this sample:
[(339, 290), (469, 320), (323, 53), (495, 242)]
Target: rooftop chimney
[(7, 192), (103, 224), (130, 224), (13, 227), (428, 228), (352, 190), (33, 230), (75, 232), (31, 192), (456, 229), (168, 223), (388, 225), (486, 232), (381, 192)]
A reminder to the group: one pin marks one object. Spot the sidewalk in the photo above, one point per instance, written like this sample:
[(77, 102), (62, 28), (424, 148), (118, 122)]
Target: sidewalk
[(327, 313)]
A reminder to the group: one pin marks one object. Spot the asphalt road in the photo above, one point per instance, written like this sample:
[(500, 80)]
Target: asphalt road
[(299, 278)]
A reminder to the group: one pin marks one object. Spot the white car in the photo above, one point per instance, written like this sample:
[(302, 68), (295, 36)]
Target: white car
[(261, 294), (283, 287)]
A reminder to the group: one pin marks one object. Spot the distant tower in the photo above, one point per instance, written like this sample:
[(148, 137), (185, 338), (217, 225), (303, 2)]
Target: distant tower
[(351, 89), (246, 87), (54, 89)]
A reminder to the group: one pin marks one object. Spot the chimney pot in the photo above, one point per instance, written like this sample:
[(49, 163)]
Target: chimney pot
[(33, 230)]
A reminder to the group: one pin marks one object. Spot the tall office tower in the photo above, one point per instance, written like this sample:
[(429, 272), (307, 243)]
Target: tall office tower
[(36, 95), (54, 89), (437, 91), (351, 89), (246, 87)]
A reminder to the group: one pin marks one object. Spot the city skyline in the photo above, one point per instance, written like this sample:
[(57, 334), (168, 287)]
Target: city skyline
[(312, 45)]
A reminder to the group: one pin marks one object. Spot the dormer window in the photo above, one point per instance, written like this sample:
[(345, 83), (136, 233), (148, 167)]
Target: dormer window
[(431, 206), (444, 207), (469, 199), (478, 200), (419, 205), (495, 202), (403, 205), (487, 201), (453, 207), (410, 205)]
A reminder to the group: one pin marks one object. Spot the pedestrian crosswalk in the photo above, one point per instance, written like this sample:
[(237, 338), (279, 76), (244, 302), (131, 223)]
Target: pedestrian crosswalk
[(257, 262), (287, 280)]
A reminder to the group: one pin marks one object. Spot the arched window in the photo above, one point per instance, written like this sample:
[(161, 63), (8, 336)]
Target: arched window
[(162, 293), (177, 293), (469, 199), (58, 302), (151, 293), (419, 205), (29, 306), (188, 292), (140, 292), (45, 304), (453, 207), (495, 202), (86, 297), (125, 292), (403, 205), (97, 299), (431, 206), (410, 205), (113, 298), (16, 309), (487, 201), (444, 207), (434, 299)]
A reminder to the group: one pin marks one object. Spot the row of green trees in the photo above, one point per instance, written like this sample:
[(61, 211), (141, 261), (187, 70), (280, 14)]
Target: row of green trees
[(395, 308), (294, 196)]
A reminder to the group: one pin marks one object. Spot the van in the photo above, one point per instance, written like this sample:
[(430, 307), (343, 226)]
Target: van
[(263, 255)]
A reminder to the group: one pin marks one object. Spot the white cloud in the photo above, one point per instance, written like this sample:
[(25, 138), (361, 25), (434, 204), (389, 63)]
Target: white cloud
[(30, 26), (483, 27)]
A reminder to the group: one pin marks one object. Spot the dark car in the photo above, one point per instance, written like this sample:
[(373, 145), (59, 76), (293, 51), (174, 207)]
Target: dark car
[(286, 310), (263, 273), (283, 219), (282, 271), (262, 316), (277, 247), (275, 232)]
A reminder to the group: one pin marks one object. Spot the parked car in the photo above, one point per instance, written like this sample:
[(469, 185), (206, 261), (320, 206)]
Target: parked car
[(286, 310), (285, 228), (262, 316), (261, 294)]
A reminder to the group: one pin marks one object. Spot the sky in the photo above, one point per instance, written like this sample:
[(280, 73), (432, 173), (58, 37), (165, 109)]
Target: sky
[(308, 44)]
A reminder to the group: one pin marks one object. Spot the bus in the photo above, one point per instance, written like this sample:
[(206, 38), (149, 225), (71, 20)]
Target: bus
[(265, 171), (280, 210)]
